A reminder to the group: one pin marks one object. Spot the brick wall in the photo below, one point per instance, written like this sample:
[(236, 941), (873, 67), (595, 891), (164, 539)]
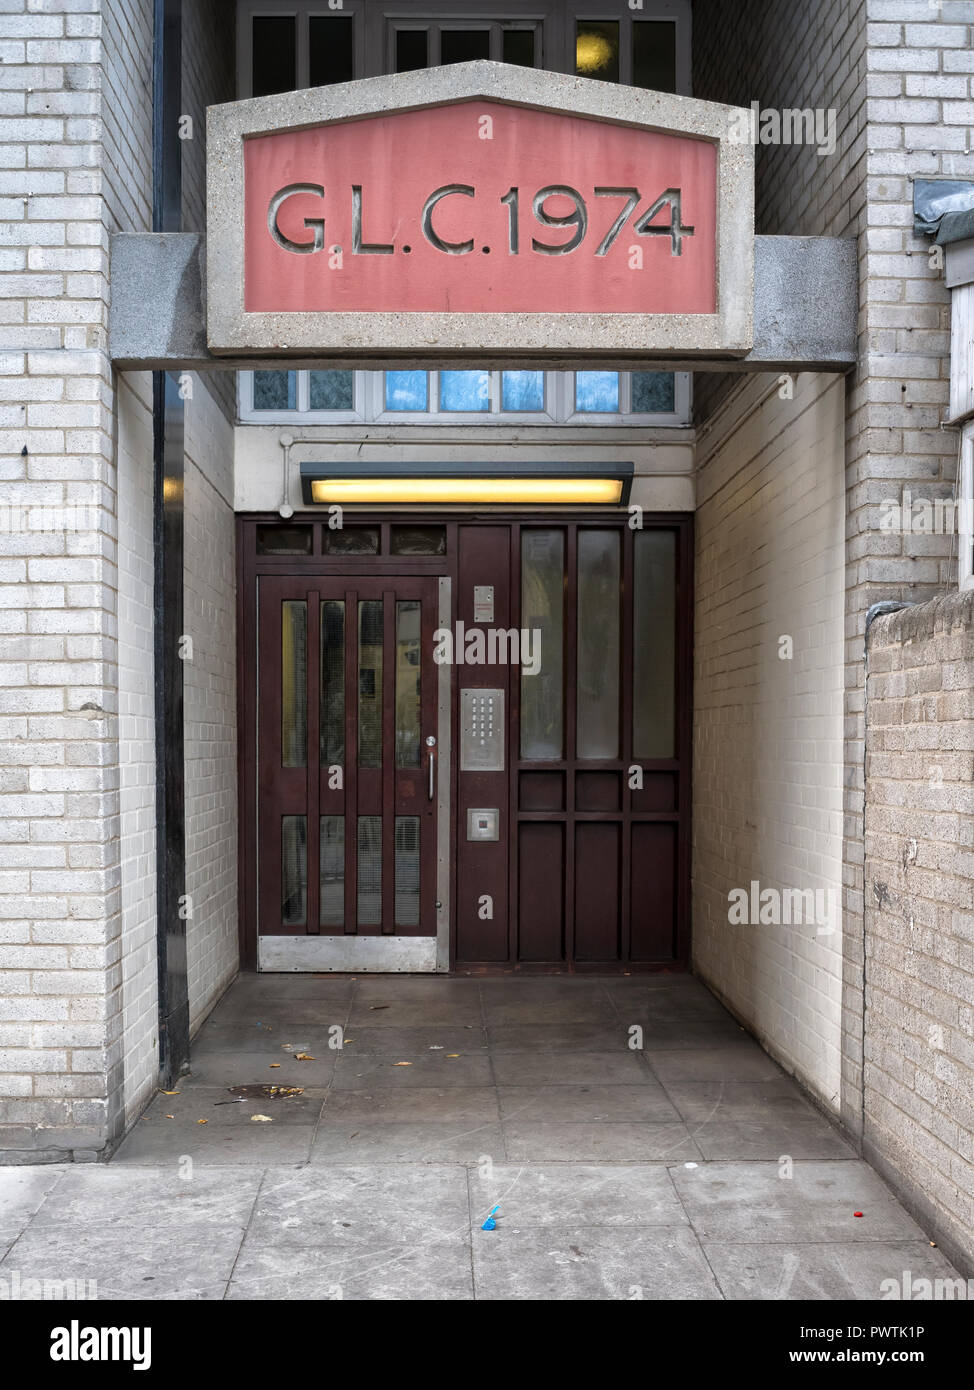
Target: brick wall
[(210, 701), (74, 154), (137, 747), (919, 965), (767, 795)]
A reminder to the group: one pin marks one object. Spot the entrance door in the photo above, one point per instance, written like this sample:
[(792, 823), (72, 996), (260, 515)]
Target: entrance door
[(347, 777)]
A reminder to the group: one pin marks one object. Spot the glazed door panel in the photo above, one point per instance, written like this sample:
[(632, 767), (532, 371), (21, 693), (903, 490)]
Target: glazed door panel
[(347, 785)]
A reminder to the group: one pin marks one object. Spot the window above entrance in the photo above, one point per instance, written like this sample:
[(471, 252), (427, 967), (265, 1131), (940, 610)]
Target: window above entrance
[(308, 43), (465, 397)]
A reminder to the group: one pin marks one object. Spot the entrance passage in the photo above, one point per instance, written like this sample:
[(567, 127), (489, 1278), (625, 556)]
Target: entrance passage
[(465, 743)]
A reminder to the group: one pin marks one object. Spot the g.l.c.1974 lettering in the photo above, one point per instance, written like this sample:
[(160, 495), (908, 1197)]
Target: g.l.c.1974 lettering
[(662, 217)]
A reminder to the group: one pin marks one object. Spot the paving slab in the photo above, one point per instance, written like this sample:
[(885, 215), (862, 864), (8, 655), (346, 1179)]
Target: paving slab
[(135, 1198), (737, 1060), (369, 1204), (460, 1105), (586, 1103), (623, 1068), (208, 1145), (129, 1261), (590, 1262), (576, 1194), (376, 1039), (608, 1143), (23, 1190), (280, 1067), (432, 1142), (424, 1271), (367, 1071), (859, 1270), (774, 1137), (758, 1202)]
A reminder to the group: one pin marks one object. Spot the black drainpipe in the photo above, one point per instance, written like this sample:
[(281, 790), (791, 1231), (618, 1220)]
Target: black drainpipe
[(167, 442)]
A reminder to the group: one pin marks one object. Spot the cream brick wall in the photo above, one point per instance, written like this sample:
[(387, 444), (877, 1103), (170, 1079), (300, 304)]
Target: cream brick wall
[(75, 153), (919, 1023), (210, 701), (767, 797), (137, 749)]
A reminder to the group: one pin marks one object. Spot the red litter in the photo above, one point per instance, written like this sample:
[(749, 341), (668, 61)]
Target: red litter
[(857, 1213)]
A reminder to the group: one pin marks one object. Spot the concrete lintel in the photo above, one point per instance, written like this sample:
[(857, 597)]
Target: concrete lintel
[(805, 311)]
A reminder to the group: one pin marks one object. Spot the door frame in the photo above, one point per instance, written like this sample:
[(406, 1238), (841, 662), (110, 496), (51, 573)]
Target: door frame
[(444, 568)]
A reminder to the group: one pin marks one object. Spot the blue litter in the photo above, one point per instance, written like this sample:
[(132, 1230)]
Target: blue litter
[(490, 1224)]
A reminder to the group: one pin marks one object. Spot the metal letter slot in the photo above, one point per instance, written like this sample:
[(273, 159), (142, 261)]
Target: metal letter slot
[(482, 731)]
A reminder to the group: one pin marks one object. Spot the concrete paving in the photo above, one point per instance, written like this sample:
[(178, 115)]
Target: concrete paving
[(689, 1168)]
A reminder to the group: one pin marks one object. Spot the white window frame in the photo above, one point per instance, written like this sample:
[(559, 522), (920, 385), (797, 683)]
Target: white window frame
[(965, 522), (369, 408)]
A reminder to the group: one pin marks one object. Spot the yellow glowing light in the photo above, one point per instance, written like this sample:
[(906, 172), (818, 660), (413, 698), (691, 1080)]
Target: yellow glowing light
[(523, 491), (593, 52)]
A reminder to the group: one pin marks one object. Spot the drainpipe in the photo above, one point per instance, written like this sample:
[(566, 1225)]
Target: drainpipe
[(877, 610)]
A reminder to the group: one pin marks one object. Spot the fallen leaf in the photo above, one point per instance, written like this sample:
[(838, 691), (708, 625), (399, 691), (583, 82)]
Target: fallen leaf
[(453, 1054), (402, 1064), (170, 1093), (170, 1117), (202, 1122), (264, 1119), (275, 1064), (304, 1057)]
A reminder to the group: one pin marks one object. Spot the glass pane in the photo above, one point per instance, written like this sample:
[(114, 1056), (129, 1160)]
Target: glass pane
[(542, 609), (522, 390), (653, 393), (332, 714), (407, 391), (352, 540), (273, 65), (598, 656), (275, 391), (284, 540), (412, 49), (654, 645), (370, 683), (597, 391), (294, 683), (464, 45), (597, 49), (418, 540), (294, 871), (519, 47), (407, 871), (330, 49), (331, 390), (408, 634), (331, 861), (464, 390), (654, 54), (369, 871)]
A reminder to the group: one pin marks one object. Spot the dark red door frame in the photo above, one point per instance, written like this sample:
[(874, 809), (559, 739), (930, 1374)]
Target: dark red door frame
[(318, 563)]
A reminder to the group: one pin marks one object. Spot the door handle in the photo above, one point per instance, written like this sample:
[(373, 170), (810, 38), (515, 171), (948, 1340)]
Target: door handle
[(432, 767)]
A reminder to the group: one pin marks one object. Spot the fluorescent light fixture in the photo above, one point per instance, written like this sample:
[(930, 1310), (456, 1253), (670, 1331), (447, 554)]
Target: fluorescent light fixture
[(438, 484)]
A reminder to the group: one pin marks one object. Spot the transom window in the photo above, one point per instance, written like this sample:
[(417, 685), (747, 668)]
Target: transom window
[(517, 397), (293, 44)]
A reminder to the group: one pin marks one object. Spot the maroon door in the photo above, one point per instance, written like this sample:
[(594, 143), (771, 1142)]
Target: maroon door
[(346, 786)]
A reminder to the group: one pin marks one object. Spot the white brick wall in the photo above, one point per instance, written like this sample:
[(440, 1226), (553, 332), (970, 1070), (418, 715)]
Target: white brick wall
[(210, 701), (767, 795), (136, 734), (75, 151)]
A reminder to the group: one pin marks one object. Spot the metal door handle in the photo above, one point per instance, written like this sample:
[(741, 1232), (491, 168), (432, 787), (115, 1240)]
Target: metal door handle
[(432, 766)]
